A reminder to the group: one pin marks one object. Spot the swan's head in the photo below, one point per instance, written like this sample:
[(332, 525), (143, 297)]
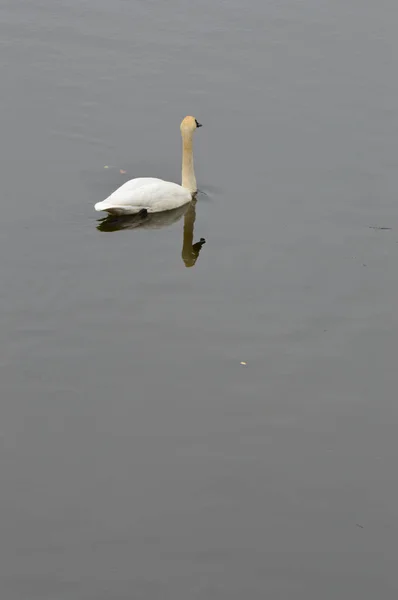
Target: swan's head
[(189, 124)]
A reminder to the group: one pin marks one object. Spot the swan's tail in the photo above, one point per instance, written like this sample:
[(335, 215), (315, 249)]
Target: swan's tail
[(114, 209), (104, 205)]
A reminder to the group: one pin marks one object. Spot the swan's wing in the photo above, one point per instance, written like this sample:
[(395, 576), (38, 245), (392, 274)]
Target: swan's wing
[(126, 192), (153, 194), (163, 195)]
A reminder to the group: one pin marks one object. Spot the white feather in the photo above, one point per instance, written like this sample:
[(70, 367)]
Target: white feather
[(149, 193)]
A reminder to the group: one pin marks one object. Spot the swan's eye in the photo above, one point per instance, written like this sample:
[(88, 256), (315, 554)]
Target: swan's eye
[(198, 124)]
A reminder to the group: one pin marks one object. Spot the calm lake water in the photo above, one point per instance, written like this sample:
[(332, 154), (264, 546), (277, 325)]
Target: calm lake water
[(138, 458)]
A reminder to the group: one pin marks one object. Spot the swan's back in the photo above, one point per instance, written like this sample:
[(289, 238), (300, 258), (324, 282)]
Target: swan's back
[(145, 193), (134, 184)]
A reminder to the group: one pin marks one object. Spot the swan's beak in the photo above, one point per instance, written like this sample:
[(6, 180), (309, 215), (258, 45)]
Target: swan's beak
[(198, 124)]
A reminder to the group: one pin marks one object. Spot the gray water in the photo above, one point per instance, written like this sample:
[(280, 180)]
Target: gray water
[(139, 459)]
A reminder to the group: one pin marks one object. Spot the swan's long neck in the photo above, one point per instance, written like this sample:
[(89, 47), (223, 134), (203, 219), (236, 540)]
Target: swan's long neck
[(188, 173)]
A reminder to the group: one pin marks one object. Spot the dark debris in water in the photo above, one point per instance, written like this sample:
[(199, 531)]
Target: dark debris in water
[(380, 228)]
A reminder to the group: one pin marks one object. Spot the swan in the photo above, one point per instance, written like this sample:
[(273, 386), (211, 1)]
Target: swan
[(148, 194)]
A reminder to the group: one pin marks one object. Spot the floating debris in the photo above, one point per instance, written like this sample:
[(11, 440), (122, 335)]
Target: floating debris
[(106, 167), (243, 363), (122, 172), (380, 228)]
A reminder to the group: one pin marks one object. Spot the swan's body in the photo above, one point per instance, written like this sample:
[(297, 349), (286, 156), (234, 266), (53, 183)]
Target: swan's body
[(147, 194)]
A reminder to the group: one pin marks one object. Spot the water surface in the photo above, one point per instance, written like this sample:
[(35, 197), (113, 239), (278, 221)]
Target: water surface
[(138, 457)]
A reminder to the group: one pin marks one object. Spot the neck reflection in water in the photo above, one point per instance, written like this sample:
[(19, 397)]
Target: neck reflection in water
[(190, 251)]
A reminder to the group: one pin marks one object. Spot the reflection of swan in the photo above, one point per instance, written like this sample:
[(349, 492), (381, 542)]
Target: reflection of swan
[(190, 251), (149, 195), (142, 220)]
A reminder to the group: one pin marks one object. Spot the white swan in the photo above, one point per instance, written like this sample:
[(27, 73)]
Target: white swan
[(147, 194)]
